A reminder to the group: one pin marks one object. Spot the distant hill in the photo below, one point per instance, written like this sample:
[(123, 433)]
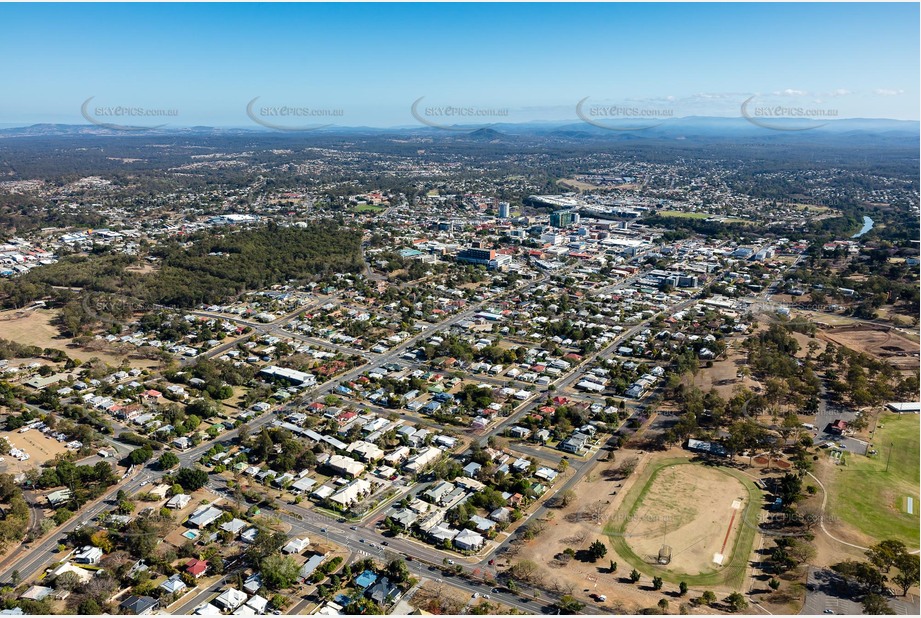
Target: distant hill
[(690, 129)]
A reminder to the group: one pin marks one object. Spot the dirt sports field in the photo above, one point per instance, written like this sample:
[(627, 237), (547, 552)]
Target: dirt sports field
[(706, 514), (692, 509), (882, 343)]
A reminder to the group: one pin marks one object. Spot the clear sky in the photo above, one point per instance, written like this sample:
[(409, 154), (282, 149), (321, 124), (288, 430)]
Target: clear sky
[(372, 61)]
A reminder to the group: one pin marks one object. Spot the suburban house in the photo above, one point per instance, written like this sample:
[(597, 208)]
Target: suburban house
[(88, 555), (203, 516), (468, 540), (296, 546), (196, 568), (383, 592), (346, 466), (179, 501), (230, 599), (173, 585), (139, 606)]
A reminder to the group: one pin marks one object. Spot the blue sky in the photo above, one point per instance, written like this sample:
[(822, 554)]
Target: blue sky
[(370, 62)]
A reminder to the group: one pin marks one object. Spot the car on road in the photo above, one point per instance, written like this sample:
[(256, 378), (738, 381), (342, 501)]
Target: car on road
[(450, 562), (323, 530), (361, 540), (385, 543), (829, 611), (143, 483), (353, 527), (485, 596), (476, 595)]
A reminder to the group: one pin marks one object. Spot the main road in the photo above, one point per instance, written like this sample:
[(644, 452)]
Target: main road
[(423, 560)]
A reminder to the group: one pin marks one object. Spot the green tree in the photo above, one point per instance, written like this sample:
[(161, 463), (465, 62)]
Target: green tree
[(657, 583), (634, 576), (569, 605), (736, 602), (907, 576), (192, 479), (885, 554), (707, 598), (682, 588), (279, 572), (597, 550), (876, 605), (140, 455), (168, 460)]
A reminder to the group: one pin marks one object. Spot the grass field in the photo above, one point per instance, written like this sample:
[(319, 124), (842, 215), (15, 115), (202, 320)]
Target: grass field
[(684, 215), (872, 500), (369, 208), (700, 516), (680, 214)]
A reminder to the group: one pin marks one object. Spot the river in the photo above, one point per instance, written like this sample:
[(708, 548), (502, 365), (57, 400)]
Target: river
[(867, 226)]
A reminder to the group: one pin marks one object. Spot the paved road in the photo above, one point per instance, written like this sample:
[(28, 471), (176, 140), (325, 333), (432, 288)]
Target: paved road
[(363, 539), (44, 552)]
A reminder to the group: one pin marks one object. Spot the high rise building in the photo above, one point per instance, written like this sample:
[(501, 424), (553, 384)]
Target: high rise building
[(562, 218)]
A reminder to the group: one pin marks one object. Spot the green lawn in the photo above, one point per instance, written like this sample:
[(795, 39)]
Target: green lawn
[(369, 208), (872, 500), (679, 214), (731, 574), (684, 215)]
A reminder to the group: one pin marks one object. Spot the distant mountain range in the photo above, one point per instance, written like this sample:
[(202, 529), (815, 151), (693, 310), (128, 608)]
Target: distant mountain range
[(687, 128)]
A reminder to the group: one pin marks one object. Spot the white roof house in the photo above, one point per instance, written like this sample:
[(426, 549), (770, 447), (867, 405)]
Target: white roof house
[(351, 493), (179, 501), (296, 546), (468, 539), (174, 584), (345, 465), (230, 599), (258, 603), (203, 516)]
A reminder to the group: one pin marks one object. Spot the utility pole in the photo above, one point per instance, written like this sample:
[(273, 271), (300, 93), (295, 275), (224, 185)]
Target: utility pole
[(889, 457)]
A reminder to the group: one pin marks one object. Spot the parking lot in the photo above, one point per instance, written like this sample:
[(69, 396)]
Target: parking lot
[(828, 593)]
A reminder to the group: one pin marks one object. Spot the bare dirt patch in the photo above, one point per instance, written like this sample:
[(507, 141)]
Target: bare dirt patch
[(724, 374), (597, 499), (40, 448), (37, 328), (885, 344)]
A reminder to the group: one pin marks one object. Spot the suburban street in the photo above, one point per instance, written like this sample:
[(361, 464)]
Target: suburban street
[(365, 539)]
